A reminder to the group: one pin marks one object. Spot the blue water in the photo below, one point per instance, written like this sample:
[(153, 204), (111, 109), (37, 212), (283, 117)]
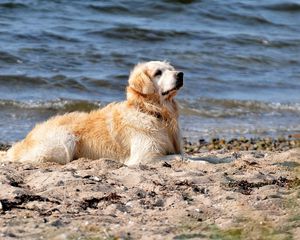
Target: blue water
[(241, 61)]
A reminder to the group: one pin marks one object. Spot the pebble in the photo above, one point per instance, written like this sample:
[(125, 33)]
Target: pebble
[(96, 179)]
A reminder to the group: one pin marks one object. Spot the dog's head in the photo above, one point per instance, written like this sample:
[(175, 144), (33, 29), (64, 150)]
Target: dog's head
[(156, 78)]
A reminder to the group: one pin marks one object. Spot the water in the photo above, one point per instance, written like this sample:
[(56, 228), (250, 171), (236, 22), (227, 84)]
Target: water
[(241, 60)]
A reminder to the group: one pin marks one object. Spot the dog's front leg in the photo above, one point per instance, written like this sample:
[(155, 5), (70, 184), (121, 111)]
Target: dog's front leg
[(144, 150), (141, 156), (138, 157)]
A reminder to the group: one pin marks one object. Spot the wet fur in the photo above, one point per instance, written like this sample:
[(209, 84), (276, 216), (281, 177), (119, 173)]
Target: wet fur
[(139, 130)]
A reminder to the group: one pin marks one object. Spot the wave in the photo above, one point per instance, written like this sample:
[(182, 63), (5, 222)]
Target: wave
[(251, 19), (9, 58), (110, 9), (46, 36), (140, 8), (244, 39), (284, 7), (205, 107), (59, 37), (59, 81), (22, 80), (226, 108), (82, 84), (55, 81), (60, 105), (205, 117), (142, 34), (12, 5), (181, 1)]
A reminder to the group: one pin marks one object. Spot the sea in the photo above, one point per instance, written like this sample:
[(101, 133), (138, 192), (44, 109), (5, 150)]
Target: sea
[(241, 60)]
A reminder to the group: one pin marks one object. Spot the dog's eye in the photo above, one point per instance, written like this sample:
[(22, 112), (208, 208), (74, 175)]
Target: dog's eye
[(157, 73)]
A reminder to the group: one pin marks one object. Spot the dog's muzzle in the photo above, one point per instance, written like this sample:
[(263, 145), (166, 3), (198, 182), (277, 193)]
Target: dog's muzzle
[(178, 84)]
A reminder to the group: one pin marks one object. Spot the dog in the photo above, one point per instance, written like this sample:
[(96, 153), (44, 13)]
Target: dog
[(141, 129)]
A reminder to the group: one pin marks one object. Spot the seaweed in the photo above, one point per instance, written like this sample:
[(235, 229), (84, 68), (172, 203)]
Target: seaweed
[(246, 188)]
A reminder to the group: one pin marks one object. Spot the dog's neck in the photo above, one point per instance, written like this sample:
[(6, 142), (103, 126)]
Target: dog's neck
[(152, 104), (166, 111)]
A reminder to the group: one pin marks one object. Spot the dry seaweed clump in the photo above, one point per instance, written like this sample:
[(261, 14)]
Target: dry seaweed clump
[(4, 147), (246, 188), (243, 144)]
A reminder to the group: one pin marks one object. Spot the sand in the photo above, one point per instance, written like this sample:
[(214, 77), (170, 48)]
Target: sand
[(226, 195)]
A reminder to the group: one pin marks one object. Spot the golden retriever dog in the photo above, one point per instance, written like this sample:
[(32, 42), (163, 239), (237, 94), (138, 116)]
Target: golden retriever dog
[(139, 130)]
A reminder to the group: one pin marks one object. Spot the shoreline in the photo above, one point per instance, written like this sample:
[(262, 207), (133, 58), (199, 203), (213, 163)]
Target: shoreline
[(229, 193), (244, 144), (282, 143)]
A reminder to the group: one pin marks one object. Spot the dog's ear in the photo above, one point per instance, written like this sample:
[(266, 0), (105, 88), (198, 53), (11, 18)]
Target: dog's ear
[(140, 80)]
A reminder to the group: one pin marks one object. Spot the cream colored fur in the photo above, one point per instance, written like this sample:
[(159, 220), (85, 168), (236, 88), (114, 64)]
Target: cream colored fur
[(139, 130)]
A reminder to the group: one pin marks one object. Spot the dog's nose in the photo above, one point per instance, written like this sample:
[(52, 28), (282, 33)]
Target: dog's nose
[(179, 79), (179, 76)]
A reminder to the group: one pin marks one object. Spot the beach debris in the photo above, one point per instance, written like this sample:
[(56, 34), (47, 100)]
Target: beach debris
[(93, 202), (246, 188), (244, 144)]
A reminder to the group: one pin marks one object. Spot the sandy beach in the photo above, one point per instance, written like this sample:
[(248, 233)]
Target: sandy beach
[(225, 194), (239, 111)]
